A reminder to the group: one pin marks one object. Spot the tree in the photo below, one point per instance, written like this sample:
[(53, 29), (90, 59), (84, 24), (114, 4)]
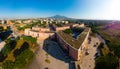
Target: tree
[(1, 28), (29, 38), (106, 62), (21, 60), (115, 47), (68, 31), (22, 48), (101, 46), (8, 64)]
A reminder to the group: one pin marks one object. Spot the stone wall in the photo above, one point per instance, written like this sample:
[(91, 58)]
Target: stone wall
[(78, 25), (73, 52), (45, 35), (84, 45), (29, 32), (62, 28), (37, 34)]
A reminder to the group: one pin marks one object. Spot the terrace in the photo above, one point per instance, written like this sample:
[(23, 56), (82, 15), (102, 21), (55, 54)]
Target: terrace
[(76, 43)]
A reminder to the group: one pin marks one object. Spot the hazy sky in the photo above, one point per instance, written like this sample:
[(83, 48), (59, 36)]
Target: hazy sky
[(84, 9)]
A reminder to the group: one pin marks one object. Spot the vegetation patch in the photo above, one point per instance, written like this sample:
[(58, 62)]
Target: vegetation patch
[(58, 25), (22, 48), (24, 27), (10, 45), (29, 38), (47, 54), (68, 31), (109, 58), (19, 55), (108, 61), (47, 60), (20, 62)]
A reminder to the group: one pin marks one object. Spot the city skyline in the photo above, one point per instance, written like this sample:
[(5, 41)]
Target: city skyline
[(80, 9)]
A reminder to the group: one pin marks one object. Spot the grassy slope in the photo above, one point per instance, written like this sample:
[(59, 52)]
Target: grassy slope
[(112, 33)]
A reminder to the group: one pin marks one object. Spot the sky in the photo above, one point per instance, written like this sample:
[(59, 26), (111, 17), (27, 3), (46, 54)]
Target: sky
[(82, 9)]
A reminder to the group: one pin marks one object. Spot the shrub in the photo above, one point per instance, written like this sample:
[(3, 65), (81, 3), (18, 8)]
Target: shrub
[(106, 62), (23, 47), (8, 64), (21, 60), (29, 38), (68, 31), (47, 60)]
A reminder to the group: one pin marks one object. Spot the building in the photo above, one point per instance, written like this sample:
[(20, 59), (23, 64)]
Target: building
[(37, 34), (5, 27), (33, 33), (18, 21), (62, 28), (27, 21), (66, 22), (78, 25), (41, 29), (75, 48), (3, 21), (67, 26)]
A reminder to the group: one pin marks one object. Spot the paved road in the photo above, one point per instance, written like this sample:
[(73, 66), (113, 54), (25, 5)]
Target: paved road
[(88, 61)]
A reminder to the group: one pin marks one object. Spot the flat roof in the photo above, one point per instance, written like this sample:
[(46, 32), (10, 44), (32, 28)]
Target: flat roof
[(76, 43)]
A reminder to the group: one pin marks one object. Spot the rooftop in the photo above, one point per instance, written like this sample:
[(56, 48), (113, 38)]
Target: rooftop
[(76, 43)]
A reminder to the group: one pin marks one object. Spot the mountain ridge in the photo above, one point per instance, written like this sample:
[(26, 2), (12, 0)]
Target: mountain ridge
[(59, 17)]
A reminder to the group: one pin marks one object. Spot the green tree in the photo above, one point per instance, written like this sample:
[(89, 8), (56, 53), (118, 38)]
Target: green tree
[(68, 31), (8, 64), (106, 62), (28, 38), (1, 28)]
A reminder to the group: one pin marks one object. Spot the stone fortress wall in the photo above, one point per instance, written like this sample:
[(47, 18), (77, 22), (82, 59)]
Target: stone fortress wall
[(74, 53), (71, 51)]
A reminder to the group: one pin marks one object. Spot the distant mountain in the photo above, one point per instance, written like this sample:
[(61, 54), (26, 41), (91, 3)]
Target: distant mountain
[(59, 17)]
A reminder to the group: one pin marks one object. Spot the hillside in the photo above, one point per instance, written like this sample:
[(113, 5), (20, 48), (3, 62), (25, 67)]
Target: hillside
[(111, 31)]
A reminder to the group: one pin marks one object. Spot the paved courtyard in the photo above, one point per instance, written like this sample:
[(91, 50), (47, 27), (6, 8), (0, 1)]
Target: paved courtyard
[(51, 57)]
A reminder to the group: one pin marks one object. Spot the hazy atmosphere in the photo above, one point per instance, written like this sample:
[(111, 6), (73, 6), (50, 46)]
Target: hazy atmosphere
[(59, 34)]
